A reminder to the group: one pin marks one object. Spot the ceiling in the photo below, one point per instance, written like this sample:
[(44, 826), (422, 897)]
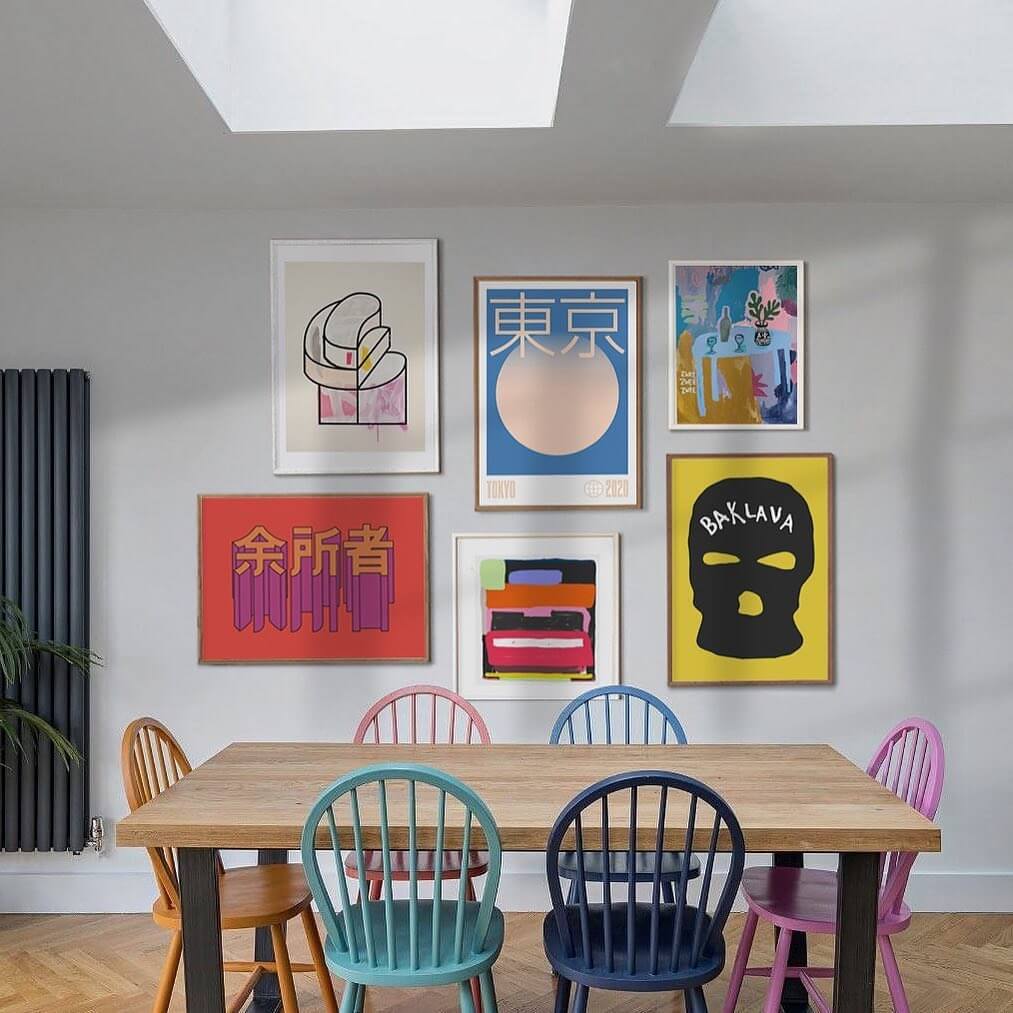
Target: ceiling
[(97, 109)]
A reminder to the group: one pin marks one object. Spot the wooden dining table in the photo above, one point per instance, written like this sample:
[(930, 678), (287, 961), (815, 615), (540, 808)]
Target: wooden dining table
[(790, 800)]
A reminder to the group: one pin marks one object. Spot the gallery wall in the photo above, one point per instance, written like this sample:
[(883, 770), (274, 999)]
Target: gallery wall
[(910, 372)]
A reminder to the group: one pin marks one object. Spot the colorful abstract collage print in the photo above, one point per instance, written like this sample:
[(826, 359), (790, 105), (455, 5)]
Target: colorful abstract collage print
[(539, 618)]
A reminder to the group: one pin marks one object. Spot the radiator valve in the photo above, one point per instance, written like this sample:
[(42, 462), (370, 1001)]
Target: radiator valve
[(96, 835)]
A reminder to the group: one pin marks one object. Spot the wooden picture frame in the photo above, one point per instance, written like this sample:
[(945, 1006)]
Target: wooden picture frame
[(610, 366), (812, 662), (378, 611)]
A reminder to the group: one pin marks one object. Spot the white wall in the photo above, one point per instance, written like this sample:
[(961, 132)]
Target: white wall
[(910, 371)]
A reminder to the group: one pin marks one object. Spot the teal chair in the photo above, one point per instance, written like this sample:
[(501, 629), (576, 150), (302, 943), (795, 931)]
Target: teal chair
[(411, 942)]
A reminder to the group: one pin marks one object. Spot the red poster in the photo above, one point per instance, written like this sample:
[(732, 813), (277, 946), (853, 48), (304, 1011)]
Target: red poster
[(314, 578)]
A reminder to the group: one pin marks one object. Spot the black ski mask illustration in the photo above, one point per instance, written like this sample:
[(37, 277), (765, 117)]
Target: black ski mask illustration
[(750, 552)]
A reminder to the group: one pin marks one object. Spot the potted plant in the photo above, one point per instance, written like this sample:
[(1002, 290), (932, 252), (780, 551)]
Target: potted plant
[(761, 313), (19, 646)]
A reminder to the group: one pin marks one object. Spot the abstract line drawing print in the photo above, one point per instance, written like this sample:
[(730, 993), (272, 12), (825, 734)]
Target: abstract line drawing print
[(347, 353), (539, 619)]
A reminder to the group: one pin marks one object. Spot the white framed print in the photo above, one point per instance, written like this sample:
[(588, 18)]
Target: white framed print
[(736, 344), (536, 617), (355, 356), (557, 392)]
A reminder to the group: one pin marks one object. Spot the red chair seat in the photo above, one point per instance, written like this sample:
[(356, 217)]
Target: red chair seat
[(478, 865), (804, 900)]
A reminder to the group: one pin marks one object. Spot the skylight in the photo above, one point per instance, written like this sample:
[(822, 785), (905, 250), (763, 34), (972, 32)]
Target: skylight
[(380, 65), (800, 62)]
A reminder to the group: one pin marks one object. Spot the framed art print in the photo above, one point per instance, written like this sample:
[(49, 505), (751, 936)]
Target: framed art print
[(535, 616), (736, 344), (557, 392), (315, 577), (750, 568), (355, 356)]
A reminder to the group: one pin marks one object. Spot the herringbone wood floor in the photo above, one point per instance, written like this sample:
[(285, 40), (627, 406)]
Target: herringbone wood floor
[(92, 963)]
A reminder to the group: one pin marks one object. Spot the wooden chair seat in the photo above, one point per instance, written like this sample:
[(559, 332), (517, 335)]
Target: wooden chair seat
[(252, 896)]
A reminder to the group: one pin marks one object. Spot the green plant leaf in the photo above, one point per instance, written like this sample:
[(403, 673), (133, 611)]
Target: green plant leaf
[(19, 646), (32, 729)]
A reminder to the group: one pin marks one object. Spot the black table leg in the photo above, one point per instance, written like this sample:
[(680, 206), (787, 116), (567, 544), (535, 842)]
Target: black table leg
[(793, 995), (266, 993), (855, 952), (202, 930)]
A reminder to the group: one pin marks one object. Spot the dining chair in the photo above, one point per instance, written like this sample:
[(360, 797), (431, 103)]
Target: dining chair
[(633, 945), (642, 719), (405, 942), (910, 763), (251, 897), (620, 715), (421, 714)]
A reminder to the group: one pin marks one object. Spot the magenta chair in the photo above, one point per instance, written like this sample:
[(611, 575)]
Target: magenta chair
[(910, 764)]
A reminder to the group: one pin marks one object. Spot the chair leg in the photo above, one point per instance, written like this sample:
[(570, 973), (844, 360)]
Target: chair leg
[(350, 997), (289, 1003), (667, 893), (563, 986), (464, 999), (317, 956), (893, 977), (476, 994), (375, 889), (489, 1004), (741, 962), (696, 1002), (777, 973), (169, 971), (580, 1002)]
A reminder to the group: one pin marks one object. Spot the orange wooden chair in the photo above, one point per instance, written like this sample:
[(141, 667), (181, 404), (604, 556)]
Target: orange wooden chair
[(252, 897)]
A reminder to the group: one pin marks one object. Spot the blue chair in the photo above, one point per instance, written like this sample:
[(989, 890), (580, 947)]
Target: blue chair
[(631, 945), (609, 715), (413, 942), (589, 719)]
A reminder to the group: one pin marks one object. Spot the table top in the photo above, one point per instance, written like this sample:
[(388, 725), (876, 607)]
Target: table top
[(803, 798)]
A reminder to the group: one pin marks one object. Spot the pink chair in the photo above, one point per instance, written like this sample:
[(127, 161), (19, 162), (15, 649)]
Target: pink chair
[(421, 714), (910, 764)]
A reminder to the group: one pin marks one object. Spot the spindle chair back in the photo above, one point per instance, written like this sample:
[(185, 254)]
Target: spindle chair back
[(151, 760), (910, 763), (617, 714), (422, 714), (388, 941), (630, 944)]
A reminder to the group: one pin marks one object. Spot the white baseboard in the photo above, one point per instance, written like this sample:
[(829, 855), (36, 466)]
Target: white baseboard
[(111, 892)]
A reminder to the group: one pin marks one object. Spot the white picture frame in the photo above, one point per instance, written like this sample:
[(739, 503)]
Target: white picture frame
[(471, 622), (364, 422), (698, 381)]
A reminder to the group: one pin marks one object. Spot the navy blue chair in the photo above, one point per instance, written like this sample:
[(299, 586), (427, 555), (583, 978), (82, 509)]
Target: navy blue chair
[(641, 946), (628, 716)]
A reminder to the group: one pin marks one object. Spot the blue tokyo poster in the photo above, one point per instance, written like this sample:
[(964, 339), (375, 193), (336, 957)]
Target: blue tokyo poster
[(557, 392)]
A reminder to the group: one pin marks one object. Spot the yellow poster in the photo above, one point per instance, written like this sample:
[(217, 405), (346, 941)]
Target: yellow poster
[(750, 546)]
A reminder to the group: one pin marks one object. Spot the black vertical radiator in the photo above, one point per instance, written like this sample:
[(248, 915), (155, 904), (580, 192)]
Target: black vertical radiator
[(44, 470)]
